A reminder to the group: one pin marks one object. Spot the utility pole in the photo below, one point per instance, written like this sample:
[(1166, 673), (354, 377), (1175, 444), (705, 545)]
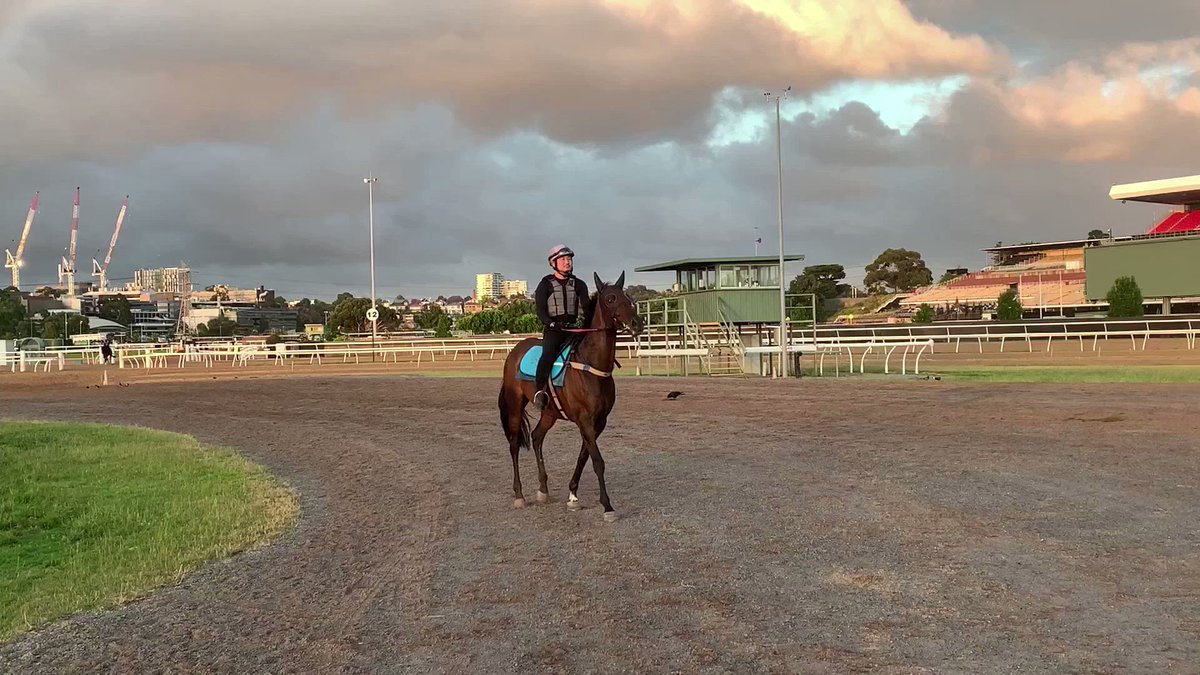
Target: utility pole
[(373, 313), (783, 334)]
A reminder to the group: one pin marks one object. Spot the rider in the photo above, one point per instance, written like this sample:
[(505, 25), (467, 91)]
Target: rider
[(561, 298)]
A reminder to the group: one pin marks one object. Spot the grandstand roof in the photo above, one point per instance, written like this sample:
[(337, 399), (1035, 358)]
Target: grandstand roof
[(696, 263), (1179, 191), (1042, 246)]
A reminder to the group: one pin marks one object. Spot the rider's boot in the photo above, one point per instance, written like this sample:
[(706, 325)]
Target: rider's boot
[(539, 401)]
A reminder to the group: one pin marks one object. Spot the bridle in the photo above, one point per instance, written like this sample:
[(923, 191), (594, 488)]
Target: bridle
[(612, 330)]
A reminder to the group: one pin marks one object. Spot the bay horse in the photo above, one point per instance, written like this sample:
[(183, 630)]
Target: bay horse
[(586, 397)]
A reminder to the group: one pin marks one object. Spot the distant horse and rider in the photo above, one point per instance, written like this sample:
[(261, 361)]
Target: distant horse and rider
[(567, 374)]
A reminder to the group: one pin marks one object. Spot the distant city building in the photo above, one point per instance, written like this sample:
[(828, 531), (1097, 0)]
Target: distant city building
[(511, 287), (234, 296), (177, 280), (489, 286)]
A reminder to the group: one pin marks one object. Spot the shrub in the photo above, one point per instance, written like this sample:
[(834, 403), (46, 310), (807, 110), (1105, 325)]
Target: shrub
[(1009, 306), (1124, 298)]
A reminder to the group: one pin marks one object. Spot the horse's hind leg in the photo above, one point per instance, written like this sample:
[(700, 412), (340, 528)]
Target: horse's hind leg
[(539, 435), (515, 432)]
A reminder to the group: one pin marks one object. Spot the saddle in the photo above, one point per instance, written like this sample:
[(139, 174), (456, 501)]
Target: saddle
[(527, 370)]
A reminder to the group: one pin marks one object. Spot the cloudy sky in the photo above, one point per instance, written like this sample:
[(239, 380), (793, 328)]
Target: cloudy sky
[(636, 131)]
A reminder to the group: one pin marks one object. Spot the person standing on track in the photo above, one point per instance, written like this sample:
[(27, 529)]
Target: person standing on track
[(561, 299)]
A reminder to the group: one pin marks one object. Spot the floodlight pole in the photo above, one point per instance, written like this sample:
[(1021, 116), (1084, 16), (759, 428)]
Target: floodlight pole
[(783, 338), (370, 181)]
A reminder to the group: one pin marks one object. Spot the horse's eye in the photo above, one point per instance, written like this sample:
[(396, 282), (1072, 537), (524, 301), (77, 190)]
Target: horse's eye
[(609, 299)]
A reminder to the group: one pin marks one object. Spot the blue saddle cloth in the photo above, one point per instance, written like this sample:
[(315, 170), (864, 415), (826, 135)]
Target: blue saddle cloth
[(528, 369)]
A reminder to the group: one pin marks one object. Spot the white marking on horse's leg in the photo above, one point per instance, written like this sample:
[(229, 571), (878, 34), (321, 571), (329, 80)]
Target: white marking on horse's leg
[(573, 502)]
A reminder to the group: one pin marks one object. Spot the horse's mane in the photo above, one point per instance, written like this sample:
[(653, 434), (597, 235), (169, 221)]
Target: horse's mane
[(592, 303)]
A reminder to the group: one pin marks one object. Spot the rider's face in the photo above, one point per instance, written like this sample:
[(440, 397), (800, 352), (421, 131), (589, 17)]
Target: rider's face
[(565, 264)]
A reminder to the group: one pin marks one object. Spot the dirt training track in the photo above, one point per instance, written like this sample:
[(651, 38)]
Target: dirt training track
[(815, 526)]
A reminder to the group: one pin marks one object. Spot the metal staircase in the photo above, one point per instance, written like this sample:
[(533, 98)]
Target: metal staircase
[(671, 333)]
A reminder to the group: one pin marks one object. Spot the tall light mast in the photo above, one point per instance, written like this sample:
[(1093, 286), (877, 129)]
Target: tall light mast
[(15, 262), (102, 271), (66, 268)]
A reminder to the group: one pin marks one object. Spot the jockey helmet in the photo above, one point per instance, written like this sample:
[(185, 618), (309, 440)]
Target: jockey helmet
[(560, 251)]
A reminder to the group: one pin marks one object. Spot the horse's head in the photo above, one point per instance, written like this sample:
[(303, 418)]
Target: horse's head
[(617, 306)]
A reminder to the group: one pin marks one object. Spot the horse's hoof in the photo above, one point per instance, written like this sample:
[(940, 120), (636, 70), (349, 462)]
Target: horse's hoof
[(543, 497), (519, 503), (610, 516), (575, 505)]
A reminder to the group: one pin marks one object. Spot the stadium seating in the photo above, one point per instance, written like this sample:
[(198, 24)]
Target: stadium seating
[(1179, 221)]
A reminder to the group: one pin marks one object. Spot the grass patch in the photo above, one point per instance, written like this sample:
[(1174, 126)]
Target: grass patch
[(94, 515), (1075, 374)]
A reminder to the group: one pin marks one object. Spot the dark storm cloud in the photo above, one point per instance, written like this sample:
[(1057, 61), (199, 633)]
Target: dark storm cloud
[(502, 128)]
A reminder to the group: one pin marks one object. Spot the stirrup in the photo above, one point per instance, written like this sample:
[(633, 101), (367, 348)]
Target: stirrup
[(540, 399)]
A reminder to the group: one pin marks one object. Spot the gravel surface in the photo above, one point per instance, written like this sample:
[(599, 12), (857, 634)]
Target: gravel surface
[(815, 526)]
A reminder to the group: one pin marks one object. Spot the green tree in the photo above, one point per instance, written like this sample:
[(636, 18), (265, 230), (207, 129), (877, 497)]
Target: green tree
[(1097, 234), (311, 311), (487, 321), (895, 270), (350, 316), (218, 326), (1125, 298), (60, 326), (638, 292), (427, 319), (116, 308), (821, 281), (948, 275), (526, 323), (1009, 306), (515, 308), (442, 329), (12, 312), (924, 314)]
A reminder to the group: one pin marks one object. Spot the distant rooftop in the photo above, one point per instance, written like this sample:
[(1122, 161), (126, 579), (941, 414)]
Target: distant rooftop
[(1178, 191), (1042, 246), (700, 263)]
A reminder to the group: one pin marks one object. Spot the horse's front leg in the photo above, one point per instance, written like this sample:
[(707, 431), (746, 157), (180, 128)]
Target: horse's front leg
[(589, 432), (573, 502)]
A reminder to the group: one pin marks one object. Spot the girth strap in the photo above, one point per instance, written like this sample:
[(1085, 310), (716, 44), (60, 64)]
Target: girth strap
[(588, 369)]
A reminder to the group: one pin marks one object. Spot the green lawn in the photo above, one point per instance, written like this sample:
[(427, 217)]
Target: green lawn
[(1072, 374), (95, 515)]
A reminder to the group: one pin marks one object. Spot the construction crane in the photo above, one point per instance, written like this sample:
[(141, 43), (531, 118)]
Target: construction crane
[(66, 268), (102, 271), (15, 262)]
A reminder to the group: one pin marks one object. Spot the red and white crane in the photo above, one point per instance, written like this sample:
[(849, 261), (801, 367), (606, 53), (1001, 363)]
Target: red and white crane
[(15, 262), (66, 268), (102, 271)]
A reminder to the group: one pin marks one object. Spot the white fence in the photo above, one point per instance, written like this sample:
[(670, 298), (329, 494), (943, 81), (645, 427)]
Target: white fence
[(907, 339), (1137, 331)]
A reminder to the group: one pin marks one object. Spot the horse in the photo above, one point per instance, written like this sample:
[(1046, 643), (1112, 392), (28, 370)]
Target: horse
[(586, 397)]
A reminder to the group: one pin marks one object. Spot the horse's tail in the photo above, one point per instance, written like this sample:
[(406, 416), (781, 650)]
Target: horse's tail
[(526, 440), (524, 437)]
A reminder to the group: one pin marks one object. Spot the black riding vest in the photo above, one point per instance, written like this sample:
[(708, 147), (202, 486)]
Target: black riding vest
[(563, 300)]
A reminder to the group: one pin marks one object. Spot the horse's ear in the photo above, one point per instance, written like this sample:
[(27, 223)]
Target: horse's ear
[(599, 284), (621, 280)]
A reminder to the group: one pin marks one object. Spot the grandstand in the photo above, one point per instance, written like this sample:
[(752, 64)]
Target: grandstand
[(1051, 278)]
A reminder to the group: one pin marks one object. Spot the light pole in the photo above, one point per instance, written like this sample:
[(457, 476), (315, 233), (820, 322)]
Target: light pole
[(373, 313), (783, 341)]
